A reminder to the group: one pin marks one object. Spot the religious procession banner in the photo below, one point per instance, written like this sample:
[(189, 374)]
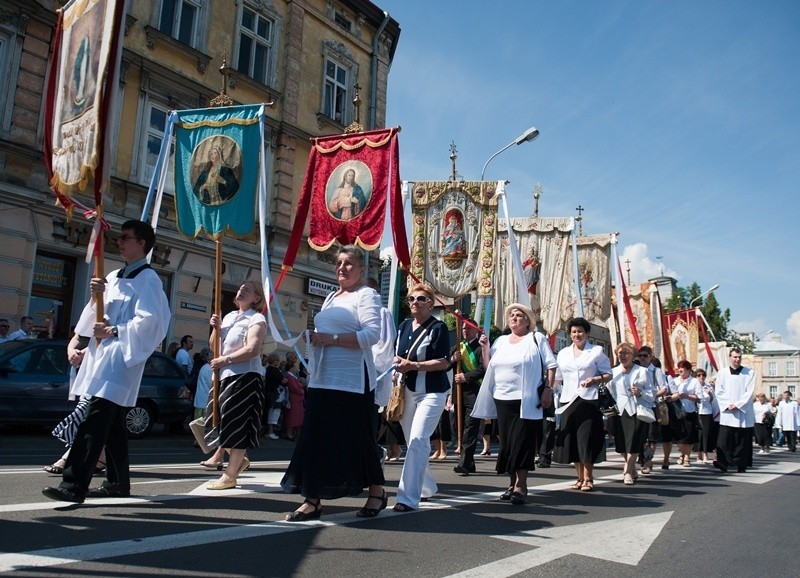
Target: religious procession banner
[(85, 42), (680, 338), (594, 280), (544, 252), (453, 236), (643, 299), (217, 169)]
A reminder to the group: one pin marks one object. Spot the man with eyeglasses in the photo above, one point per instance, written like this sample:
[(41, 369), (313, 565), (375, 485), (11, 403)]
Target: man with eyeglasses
[(5, 326), (135, 322), (655, 374)]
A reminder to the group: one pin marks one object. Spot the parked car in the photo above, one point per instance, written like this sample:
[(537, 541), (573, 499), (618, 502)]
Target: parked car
[(34, 388)]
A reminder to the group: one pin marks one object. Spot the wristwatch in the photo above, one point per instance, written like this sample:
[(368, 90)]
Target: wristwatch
[(114, 331), (335, 338)]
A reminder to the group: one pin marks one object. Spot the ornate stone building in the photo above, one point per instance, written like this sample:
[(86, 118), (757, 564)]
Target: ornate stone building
[(306, 56)]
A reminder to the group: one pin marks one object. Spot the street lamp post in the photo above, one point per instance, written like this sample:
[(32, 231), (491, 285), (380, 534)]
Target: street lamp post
[(527, 136), (711, 290)]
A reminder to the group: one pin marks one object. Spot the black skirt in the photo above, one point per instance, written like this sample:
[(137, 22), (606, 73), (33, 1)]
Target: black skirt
[(519, 438), (629, 434), (675, 430), (581, 437), (691, 426), (336, 454), (241, 399)]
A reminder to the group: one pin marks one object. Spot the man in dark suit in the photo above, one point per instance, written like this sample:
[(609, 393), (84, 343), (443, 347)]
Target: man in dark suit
[(469, 371)]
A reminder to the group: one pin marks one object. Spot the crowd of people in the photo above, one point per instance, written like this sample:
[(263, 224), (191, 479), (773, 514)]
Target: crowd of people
[(562, 408)]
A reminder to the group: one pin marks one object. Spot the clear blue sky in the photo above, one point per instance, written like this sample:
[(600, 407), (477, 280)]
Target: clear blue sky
[(675, 123)]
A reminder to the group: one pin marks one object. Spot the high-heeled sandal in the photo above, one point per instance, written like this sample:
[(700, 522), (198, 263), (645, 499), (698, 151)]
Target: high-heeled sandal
[(588, 485), (212, 465), (372, 512), (577, 484), (54, 469), (300, 516)]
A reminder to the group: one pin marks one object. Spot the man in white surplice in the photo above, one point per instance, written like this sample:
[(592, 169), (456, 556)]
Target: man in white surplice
[(734, 389), (135, 322)]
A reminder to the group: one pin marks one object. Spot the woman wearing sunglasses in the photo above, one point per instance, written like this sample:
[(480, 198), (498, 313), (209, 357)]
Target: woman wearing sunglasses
[(423, 348)]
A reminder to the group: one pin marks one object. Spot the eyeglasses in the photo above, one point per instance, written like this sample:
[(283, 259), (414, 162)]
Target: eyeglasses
[(642, 355), (418, 299), (126, 237)]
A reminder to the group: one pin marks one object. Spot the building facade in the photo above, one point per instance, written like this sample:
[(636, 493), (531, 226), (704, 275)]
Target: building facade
[(307, 57), (777, 366)]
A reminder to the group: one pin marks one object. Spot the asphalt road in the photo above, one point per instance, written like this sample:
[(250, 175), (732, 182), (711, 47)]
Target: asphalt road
[(677, 522)]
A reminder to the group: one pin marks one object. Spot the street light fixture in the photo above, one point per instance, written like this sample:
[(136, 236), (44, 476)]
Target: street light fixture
[(763, 336), (527, 136), (711, 290)]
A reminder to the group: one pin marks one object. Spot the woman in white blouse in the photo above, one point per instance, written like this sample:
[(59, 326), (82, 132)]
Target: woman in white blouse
[(336, 453), (581, 369), (515, 367), (630, 387), (763, 433), (685, 390), (706, 408)]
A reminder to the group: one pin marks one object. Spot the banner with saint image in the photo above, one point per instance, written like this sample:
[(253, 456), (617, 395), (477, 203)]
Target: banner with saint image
[(217, 168)]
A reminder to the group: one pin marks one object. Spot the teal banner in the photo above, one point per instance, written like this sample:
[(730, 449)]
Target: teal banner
[(217, 159)]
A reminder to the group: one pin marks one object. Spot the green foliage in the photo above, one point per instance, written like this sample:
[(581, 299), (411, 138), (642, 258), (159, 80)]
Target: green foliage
[(717, 318)]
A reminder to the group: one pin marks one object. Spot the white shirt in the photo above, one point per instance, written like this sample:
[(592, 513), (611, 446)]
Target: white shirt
[(572, 370), (787, 415), (529, 356), (234, 336), (621, 384), (184, 359), (736, 390), (113, 369), (760, 409), (690, 386), (342, 368), (705, 405), (19, 334)]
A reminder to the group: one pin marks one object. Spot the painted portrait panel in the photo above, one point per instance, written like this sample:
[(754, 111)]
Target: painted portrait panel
[(216, 170), (349, 190)]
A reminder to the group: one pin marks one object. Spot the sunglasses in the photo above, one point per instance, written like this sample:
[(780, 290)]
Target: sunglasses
[(418, 299), (642, 355)]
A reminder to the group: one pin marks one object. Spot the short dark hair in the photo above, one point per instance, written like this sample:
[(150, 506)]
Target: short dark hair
[(646, 349), (143, 231), (685, 364), (184, 339), (734, 350), (26, 318), (579, 322)]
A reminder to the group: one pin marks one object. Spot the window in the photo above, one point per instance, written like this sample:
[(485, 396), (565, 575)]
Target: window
[(342, 21), (255, 46), (181, 19), (791, 369), (334, 103), (772, 368), (773, 391), (155, 119)]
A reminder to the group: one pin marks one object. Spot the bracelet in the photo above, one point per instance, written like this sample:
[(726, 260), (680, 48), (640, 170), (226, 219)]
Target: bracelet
[(417, 364), (228, 360)]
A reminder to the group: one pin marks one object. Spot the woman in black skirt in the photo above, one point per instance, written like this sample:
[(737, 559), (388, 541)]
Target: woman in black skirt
[(515, 367), (582, 367), (684, 390), (336, 453), (241, 396), (630, 387)]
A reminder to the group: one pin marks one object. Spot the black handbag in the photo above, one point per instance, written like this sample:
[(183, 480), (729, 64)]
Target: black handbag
[(608, 407)]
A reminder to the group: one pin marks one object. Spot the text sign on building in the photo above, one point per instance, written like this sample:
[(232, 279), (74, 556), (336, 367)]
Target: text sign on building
[(50, 272), (193, 306), (320, 288)]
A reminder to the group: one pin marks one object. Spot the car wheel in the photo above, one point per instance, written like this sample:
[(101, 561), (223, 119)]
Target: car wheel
[(139, 420)]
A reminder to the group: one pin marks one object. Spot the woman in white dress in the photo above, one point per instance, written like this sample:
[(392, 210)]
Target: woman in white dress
[(582, 367)]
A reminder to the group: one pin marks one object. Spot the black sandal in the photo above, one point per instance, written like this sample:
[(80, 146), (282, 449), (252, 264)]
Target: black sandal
[(400, 507), (372, 512), (54, 469), (507, 494), (300, 516)]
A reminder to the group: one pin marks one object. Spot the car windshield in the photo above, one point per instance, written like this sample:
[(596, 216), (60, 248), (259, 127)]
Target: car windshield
[(10, 346)]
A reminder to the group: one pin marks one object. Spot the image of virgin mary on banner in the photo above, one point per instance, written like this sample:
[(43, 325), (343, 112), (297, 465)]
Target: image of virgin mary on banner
[(217, 170), (454, 225), (680, 328)]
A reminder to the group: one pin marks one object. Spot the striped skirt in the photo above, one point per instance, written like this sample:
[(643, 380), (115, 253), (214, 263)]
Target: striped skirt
[(241, 401), (68, 427)]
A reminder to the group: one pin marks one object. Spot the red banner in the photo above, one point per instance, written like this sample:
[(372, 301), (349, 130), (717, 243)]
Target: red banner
[(348, 181)]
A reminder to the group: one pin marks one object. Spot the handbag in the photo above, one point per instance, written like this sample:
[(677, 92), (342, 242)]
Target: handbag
[(394, 409), (644, 414), (680, 411), (608, 407), (662, 413)]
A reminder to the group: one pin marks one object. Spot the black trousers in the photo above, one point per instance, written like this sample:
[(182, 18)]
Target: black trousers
[(735, 446), (472, 429), (104, 426), (791, 440), (548, 441)]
